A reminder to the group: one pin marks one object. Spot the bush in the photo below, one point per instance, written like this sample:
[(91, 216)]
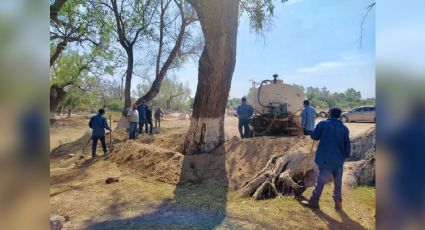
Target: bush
[(116, 105)]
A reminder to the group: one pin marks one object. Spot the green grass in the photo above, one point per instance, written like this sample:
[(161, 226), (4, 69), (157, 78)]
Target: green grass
[(280, 213)]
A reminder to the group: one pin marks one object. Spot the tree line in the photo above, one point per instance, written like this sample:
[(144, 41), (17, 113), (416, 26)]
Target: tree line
[(323, 99)]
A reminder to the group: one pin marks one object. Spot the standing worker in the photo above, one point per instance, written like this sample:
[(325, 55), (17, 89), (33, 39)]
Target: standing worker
[(141, 108), (133, 120), (244, 112), (98, 124), (158, 114), (148, 120), (308, 118), (334, 147)]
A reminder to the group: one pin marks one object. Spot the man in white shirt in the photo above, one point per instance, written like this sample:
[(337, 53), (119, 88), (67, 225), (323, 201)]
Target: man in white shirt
[(133, 120)]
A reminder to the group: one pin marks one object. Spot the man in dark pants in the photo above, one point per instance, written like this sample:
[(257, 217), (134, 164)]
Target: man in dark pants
[(141, 108), (244, 112), (308, 118), (98, 124), (148, 120), (334, 147)]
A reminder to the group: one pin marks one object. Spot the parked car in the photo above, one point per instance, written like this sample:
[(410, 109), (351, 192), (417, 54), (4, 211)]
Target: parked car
[(363, 113)]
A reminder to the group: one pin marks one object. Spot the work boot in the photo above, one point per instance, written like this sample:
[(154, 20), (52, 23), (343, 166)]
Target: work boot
[(309, 204), (338, 206)]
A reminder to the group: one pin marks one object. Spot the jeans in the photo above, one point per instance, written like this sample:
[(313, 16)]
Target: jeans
[(244, 123), (322, 178), (141, 124), (307, 132), (133, 129), (93, 149)]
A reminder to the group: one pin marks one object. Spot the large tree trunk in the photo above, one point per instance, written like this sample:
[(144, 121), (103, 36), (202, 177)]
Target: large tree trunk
[(219, 21), (57, 94), (128, 76)]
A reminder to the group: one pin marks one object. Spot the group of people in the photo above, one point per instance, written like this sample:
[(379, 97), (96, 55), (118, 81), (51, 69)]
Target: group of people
[(334, 146), (140, 115)]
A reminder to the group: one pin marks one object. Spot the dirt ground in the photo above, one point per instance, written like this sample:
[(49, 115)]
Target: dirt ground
[(153, 191)]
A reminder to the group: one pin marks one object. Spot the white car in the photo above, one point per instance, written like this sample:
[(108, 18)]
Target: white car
[(364, 113)]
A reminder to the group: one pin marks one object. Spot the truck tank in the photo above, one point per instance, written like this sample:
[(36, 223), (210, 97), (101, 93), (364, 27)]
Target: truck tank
[(276, 107)]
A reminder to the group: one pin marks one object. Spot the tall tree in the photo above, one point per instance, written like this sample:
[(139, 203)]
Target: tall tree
[(172, 50), (132, 20), (219, 22)]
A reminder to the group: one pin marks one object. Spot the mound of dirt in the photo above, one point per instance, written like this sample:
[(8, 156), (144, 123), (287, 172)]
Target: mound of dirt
[(233, 164)]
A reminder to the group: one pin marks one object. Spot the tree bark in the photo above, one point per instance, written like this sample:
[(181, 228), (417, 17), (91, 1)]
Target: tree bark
[(128, 76), (57, 94), (219, 21), (59, 48)]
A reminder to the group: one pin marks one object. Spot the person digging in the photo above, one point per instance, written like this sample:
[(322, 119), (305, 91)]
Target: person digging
[(98, 124), (334, 147)]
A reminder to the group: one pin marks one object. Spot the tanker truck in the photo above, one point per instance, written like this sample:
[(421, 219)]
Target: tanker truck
[(277, 108)]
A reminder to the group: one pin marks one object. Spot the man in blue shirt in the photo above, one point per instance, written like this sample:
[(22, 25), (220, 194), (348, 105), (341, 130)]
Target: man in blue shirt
[(141, 108), (98, 124), (308, 118), (244, 112), (334, 147)]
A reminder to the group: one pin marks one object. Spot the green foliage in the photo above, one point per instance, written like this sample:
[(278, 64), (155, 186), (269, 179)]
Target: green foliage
[(260, 13), (173, 95), (233, 102), (115, 105)]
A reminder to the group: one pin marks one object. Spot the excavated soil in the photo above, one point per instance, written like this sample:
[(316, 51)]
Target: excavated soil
[(156, 157)]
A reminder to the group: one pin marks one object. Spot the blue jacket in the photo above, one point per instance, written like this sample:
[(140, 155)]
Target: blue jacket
[(308, 118), (98, 123), (334, 146), (245, 112), (142, 113)]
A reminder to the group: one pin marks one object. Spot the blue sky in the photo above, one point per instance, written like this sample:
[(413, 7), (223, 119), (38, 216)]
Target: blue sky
[(311, 43)]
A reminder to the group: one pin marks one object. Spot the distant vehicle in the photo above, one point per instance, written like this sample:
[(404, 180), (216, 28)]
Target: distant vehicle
[(363, 113)]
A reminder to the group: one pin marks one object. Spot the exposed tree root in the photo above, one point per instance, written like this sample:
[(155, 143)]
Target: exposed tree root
[(282, 175)]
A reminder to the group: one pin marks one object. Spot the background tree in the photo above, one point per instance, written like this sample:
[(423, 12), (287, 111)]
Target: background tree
[(132, 20), (173, 96), (175, 45), (75, 22)]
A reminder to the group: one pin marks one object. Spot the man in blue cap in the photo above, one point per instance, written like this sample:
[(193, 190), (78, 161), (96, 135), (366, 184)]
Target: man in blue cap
[(244, 112), (334, 147), (98, 124)]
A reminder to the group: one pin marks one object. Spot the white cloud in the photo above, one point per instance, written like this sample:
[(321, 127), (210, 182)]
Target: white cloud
[(321, 66), (331, 65)]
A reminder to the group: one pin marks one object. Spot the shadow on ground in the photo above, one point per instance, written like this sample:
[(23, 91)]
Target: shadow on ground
[(190, 208), (332, 224)]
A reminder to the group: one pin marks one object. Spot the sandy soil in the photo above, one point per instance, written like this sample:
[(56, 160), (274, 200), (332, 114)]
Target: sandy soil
[(150, 170)]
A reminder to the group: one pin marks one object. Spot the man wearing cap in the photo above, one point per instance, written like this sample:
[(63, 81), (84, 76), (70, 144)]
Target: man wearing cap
[(98, 124), (244, 112), (334, 147)]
